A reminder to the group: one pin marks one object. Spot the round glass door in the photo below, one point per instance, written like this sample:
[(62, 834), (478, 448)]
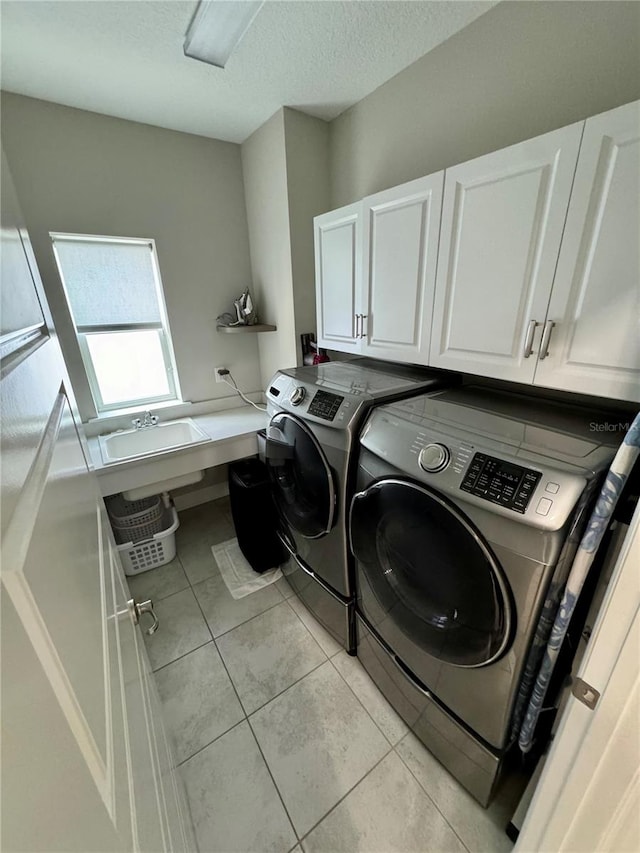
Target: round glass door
[(431, 572), (302, 480)]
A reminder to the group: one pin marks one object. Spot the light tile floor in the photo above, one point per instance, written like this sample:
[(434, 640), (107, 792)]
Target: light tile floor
[(284, 742)]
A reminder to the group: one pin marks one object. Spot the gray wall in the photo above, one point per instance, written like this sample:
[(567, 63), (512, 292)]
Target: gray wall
[(77, 171), (286, 183), (307, 159), (520, 70), (265, 187)]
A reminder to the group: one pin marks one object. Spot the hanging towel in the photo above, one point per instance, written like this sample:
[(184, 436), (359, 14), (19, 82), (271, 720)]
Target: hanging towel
[(619, 471)]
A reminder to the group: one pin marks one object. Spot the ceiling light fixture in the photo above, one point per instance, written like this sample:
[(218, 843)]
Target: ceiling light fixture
[(217, 28)]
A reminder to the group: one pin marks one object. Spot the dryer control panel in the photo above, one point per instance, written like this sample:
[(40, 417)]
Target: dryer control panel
[(500, 482), (325, 405)]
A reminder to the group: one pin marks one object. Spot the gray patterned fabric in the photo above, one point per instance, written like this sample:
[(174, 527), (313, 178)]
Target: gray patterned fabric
[(619, 471), (549, 611)]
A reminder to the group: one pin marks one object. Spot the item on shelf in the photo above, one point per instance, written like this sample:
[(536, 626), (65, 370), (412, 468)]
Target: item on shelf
[(311, 354), (244, 312), (307, 349)]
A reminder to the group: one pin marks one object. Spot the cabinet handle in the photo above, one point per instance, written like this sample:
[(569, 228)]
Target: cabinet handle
[(139, 609), (357, 329), (363, 317), (546, 338), (528, 341)]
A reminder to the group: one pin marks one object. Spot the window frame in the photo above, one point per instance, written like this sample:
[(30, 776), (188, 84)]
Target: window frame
[(82, 332)]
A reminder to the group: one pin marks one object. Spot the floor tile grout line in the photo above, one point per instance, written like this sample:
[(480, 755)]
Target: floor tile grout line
[(293, 610), (275, 784), (213, 637), (438, 809), (284, 689), (342, 648), (211, 742), (180, 657), (345, 795), (373, 720), (173, 591), (206, 622), (250, 619), (222, 660)]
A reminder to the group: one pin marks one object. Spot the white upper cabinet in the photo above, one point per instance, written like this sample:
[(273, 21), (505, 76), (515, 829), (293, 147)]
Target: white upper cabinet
[(338, 250), (594, 344), (400, 236), (502, 221)]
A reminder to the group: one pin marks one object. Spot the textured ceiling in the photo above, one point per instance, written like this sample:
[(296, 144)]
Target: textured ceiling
[(124, 58)]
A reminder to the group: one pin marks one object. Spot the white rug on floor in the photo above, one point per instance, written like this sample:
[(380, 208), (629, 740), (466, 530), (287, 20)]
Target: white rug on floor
[(236, 572)]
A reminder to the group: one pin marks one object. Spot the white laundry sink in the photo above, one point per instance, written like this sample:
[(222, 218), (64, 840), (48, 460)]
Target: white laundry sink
[(148, 441)]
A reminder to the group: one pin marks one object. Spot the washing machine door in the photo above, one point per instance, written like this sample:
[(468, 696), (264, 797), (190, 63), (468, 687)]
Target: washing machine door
[(302, 481), (431, 574)]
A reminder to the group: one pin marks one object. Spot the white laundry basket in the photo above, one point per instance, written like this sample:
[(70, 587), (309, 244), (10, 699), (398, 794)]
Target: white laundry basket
[(152, 552), (133, 521)]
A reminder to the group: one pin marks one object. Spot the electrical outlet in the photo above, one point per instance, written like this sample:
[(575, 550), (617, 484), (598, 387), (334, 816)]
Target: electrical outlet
[(217, 370)]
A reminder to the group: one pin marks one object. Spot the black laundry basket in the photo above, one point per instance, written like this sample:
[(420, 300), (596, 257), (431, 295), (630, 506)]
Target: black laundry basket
[(254, 515)]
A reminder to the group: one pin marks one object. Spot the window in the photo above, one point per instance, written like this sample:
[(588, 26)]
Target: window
[(114, 293)]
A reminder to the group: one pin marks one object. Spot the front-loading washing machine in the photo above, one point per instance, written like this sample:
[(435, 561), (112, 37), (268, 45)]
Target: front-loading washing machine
[(468, 507), (315, 414)]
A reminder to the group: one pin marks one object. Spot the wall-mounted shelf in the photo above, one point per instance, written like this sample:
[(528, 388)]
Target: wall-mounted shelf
[(236, 330)]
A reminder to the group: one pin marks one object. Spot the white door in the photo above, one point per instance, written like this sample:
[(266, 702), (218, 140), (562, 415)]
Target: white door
[(338, 250), (80, 759), (594, 345), (502, 222), (401, 230)]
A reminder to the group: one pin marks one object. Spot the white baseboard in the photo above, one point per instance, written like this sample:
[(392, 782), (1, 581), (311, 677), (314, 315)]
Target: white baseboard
[(201, 496)]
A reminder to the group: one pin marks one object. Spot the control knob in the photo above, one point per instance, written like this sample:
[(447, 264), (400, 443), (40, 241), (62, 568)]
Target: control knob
[(297, 395), (434, 457)]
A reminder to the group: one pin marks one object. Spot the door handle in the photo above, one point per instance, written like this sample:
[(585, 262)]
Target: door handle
[(528, 341), (358, 323), (138, 610), (277, 450), (363, 317), (546, 338)]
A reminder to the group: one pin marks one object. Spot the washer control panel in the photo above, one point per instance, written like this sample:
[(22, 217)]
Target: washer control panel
[(434, 457), (500, 482), (297, 395), (325, 405)]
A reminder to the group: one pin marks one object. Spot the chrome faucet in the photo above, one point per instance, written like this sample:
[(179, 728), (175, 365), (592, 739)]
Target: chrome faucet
[(148, 420)]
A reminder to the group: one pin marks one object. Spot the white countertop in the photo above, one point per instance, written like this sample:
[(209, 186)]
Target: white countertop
[(232, 434)]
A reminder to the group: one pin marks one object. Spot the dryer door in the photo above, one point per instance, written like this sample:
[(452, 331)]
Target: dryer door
[(302, 480), (424, 568)]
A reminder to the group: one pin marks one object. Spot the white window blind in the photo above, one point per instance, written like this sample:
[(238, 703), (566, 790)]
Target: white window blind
[(114, 294), (109, 284)]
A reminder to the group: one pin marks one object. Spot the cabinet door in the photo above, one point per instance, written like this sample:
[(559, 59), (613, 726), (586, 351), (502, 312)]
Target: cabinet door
[(401, 229), (594, 345), (78, 769), (338, 247), (502, 222)]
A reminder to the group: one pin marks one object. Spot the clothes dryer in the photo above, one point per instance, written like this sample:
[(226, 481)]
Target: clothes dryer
[(469, 504)]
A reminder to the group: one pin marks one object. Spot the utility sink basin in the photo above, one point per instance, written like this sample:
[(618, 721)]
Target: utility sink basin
[(148, 441)]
